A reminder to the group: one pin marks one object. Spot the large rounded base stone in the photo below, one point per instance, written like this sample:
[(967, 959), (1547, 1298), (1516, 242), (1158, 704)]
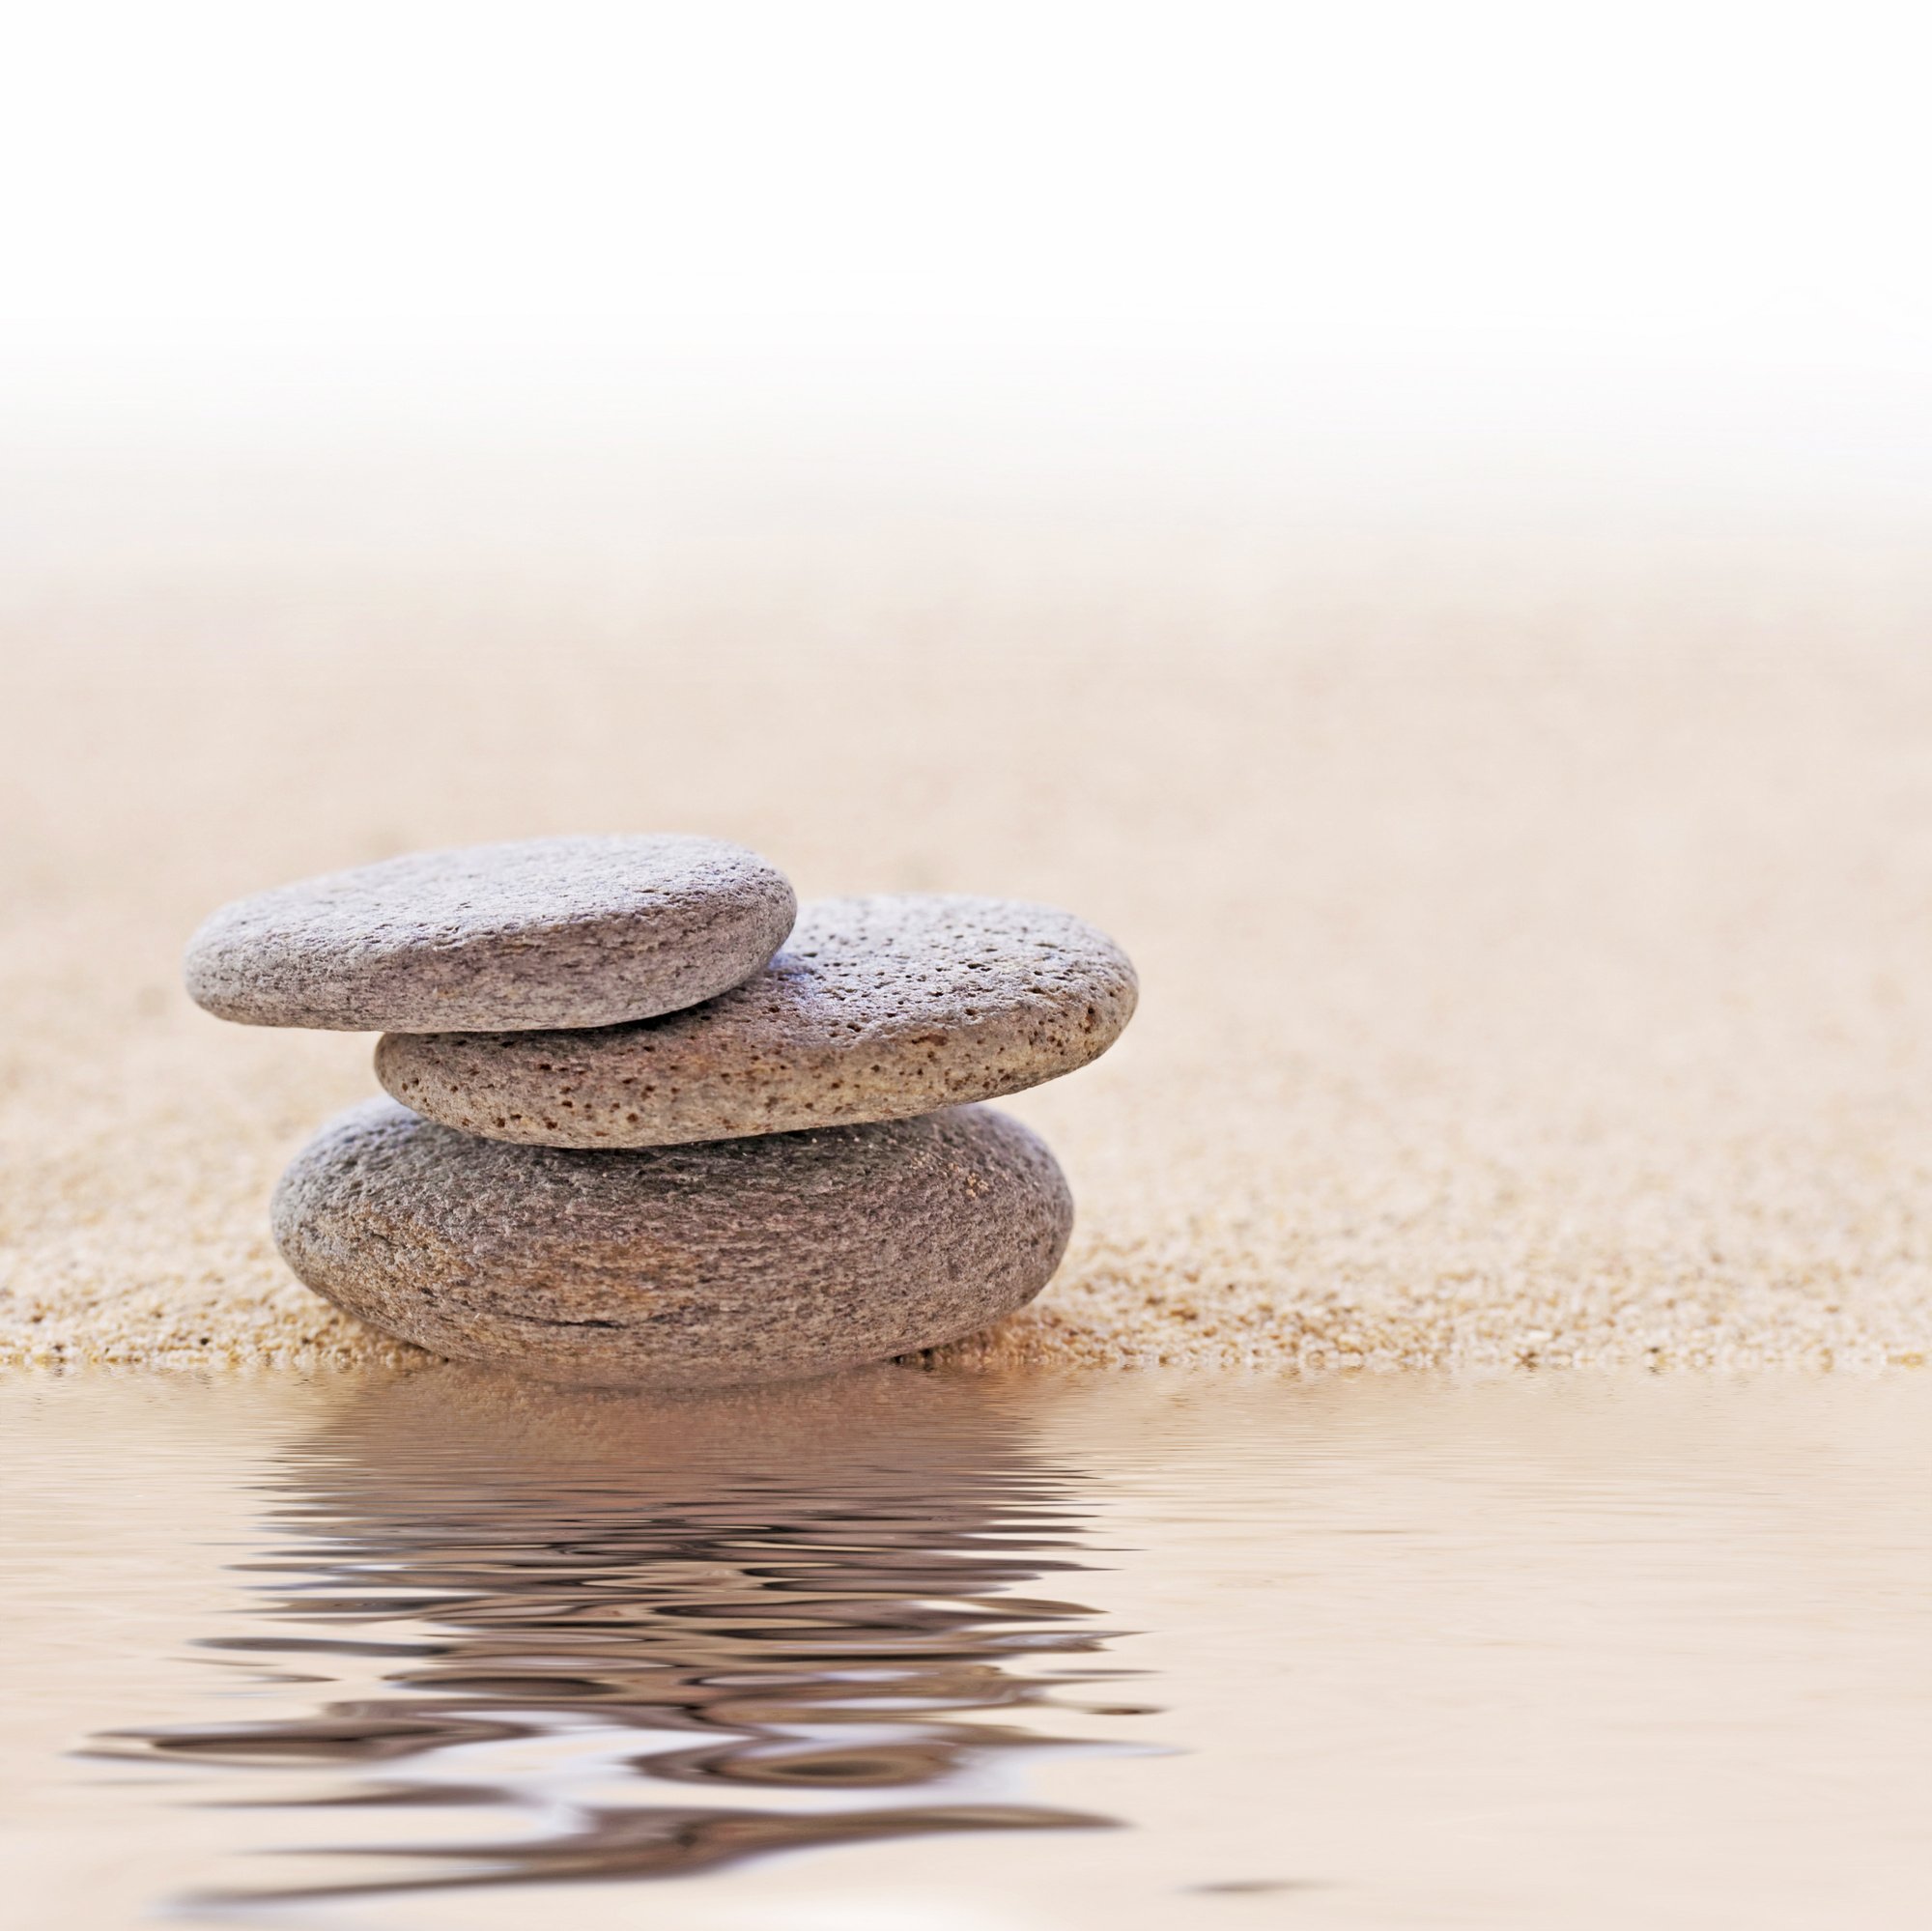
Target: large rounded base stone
[(713, 1264)]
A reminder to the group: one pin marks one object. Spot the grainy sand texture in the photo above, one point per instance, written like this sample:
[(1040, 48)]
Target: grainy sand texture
[(1536, 948)]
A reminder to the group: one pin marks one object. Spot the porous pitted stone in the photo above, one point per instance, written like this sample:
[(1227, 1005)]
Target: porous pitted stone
[(677, 1266), (567, 931), (877, 1009)]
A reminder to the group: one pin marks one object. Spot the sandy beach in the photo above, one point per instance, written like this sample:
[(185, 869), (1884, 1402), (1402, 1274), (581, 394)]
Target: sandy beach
[(1534, 957)]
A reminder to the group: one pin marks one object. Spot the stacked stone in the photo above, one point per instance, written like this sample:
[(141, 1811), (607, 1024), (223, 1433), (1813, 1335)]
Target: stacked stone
[(652, 1126)]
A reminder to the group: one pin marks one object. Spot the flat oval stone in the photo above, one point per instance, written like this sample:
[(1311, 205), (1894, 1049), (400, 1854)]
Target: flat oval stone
[(677, 1266), (877, 1009), (570, 932)]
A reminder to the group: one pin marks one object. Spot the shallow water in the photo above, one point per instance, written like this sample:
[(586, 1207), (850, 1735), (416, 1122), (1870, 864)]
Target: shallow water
[(916, 1650)]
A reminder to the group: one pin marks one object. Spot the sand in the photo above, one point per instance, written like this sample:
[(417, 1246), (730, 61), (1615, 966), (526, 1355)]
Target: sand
[(1536, 959)]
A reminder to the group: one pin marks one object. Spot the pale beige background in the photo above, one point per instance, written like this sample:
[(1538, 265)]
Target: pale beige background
[(1534, 923)]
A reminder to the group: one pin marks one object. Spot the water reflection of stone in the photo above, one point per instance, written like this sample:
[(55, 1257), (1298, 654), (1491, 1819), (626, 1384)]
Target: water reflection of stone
[(737, 1625)]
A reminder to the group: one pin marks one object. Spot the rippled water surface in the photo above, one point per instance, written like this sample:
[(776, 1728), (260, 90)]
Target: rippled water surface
[(912, 1650)]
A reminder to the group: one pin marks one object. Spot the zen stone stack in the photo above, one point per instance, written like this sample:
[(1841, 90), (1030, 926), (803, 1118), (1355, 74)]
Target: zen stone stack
[(650, 1132)]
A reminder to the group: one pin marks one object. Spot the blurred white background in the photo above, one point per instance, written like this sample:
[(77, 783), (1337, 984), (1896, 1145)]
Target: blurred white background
[(1364, 248)]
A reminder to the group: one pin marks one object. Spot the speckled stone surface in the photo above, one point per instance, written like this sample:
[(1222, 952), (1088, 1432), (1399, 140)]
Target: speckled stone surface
[(565, 931), (681, 1267), (878, 1009)]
